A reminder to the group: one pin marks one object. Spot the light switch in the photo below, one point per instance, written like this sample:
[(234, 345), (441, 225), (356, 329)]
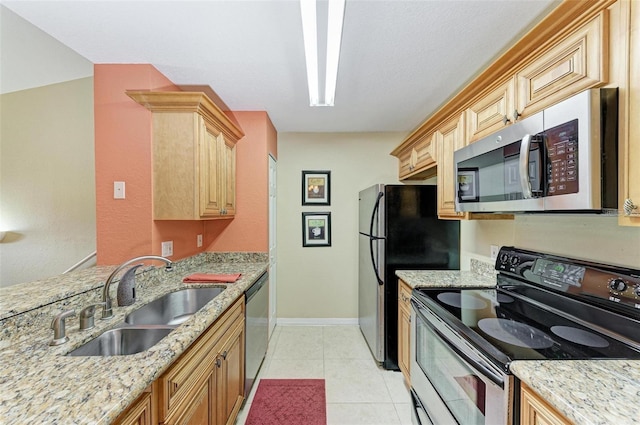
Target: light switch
[(118, 190), (199, 241)]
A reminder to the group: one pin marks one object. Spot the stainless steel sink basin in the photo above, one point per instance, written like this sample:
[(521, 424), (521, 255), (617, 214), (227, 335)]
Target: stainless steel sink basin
[(122, 341), (173, 308)]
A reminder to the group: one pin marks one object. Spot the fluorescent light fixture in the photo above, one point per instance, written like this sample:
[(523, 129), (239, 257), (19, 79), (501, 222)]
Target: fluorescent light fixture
[(334, 40)]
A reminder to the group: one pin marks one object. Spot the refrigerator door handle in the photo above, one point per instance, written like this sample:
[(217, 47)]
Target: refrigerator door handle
[(372, 237)]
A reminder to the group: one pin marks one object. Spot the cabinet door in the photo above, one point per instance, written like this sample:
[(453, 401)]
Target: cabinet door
[(229, 380), (406, 163), (228, 175), (491, 112), (450, 137), (404, 330), (629, 38), (199, 411), (578, 62), (210, 160), (535, 411)]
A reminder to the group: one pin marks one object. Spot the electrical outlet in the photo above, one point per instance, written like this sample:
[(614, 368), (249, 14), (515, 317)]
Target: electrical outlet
[(167, 249), (494, 251), (199, 243)]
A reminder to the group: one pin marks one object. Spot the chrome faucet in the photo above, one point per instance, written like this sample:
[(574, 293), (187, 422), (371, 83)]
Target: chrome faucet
[(107, 311), (58, 326)]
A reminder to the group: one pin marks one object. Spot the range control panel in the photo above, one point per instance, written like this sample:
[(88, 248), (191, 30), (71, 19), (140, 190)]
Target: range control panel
[(587, 279)]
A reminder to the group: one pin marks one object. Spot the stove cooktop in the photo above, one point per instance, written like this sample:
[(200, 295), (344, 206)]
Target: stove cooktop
[(546, 307), (520, 329)]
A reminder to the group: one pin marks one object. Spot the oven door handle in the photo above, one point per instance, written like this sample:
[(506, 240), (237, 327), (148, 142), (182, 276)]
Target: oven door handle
[(477, 364)]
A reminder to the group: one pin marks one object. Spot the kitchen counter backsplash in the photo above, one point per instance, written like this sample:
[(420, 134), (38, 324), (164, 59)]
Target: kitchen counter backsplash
[(26, 309), (483, 268)]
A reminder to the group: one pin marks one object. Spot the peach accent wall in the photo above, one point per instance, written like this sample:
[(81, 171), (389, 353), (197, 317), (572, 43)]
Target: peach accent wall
[(249, 230), (125, 227)]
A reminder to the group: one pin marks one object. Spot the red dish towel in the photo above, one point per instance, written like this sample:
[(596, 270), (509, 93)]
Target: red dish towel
[(211, 278)]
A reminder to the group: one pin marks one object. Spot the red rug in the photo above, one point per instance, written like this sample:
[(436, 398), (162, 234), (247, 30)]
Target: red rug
[(288, 402)]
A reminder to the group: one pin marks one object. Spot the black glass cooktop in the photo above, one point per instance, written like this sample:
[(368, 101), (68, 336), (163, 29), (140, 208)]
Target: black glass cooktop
[(494, 319)]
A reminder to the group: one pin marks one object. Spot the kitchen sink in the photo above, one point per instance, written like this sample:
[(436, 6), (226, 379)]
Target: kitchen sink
[(122, 341), (173, 308)]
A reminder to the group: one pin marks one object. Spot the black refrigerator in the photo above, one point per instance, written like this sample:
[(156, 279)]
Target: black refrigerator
[(399, 229)]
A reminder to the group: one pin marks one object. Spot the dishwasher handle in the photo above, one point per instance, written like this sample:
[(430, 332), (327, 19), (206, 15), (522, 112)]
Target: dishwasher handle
[(257, 285)]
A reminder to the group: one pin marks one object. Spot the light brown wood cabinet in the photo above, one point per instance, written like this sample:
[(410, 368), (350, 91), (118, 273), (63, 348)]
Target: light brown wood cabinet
[(205, 385), (536, 411), (566, 53), (194, 160), (625, 70), (141, 411), (450, 137), (404, 330), (418, 161)]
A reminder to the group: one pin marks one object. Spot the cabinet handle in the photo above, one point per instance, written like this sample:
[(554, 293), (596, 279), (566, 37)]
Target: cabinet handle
[(629, 207), (224, 355), (218, 362), (505, 120)]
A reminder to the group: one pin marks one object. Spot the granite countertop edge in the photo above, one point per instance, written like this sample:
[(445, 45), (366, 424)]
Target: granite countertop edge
[(590, 401), (40, 384)]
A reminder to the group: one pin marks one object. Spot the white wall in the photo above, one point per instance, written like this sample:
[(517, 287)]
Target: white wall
[(590, 237), (322, 282), (47, 172)]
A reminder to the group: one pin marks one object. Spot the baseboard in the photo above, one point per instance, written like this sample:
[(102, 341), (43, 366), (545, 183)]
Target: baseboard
[(315, 321)]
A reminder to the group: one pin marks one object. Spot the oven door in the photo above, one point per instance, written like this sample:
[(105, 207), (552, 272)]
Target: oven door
[(453, 382)]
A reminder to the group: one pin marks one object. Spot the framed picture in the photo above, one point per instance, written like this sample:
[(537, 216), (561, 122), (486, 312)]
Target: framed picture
[(468, 185), (316, 188), (316, 229)]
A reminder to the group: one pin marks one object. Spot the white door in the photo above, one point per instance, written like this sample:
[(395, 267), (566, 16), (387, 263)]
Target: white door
[(272, 244)]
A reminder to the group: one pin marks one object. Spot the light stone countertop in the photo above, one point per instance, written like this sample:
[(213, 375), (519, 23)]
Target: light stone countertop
[(39, 384), (588, 392)]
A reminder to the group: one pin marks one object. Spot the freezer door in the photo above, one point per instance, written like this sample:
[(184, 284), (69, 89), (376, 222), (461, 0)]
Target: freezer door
[(371, 296)]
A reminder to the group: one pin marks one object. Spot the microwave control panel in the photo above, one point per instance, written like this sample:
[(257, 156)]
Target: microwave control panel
[(562, 159)]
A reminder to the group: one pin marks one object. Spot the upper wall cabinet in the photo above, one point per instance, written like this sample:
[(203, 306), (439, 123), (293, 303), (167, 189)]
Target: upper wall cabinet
[(418, 161), (450, 137), (575, 63), (625, 72), (194, 160)]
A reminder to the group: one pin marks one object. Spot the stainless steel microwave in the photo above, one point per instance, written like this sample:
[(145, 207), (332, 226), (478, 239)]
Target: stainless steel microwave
[(562, 159)]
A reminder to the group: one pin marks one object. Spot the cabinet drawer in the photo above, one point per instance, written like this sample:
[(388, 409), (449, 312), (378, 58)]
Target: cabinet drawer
[(194, 366)]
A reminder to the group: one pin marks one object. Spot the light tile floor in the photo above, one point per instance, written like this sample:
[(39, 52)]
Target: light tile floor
[(358, 391)]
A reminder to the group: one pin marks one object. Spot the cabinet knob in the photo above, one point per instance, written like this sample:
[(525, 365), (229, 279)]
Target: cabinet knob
[(224, 355), (505, 120), (218, 362), (629, 207)]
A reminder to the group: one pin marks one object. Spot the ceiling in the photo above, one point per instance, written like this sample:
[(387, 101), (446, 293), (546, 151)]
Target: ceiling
[(400, 60)]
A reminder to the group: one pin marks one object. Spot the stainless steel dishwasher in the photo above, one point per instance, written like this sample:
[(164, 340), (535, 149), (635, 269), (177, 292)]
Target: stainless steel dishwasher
[(257, 329)]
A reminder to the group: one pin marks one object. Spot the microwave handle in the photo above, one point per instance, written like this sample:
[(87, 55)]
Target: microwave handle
[(524, 167)]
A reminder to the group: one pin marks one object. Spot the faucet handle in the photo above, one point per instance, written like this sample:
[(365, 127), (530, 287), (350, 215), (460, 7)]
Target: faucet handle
[(87, 315), (57, 324)]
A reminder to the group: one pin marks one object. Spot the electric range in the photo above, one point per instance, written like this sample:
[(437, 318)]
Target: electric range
[(544, 307)]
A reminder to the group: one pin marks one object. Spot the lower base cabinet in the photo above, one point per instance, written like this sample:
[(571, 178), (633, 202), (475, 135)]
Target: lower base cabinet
[(404, 330), (536, 411), (205, 385)]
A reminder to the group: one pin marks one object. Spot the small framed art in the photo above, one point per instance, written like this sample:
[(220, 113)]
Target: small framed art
[(316, 188), (316, 229)]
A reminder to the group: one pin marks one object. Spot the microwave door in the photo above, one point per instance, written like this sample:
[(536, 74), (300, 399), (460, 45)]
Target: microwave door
[(491, 172)]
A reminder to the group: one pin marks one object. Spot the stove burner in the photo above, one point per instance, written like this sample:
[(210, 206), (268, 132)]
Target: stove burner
[(515, 333), (462, 301), (579, 336)]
